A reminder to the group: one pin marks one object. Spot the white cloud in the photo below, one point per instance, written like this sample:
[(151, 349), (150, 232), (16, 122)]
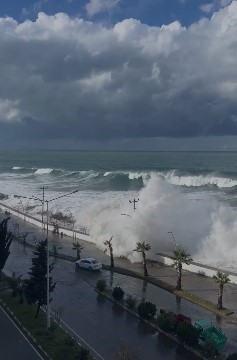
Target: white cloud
[(94, 7), (206, 8), (66, 77), (9, 111), (214, 6)]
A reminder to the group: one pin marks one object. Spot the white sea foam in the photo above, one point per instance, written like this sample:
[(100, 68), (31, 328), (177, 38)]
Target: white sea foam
[(107, 173), (17, 168), (205, 228), (43, 171), (197, 181)]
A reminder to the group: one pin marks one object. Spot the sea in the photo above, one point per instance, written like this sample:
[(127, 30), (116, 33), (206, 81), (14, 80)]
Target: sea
[(185, 199)]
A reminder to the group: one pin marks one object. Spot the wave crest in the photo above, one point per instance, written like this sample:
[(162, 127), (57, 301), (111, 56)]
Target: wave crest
[(200, 180), (43, 171)]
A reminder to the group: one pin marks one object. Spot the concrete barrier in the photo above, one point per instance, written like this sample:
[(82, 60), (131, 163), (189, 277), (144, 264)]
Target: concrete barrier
[(200, 269), (75, 234)]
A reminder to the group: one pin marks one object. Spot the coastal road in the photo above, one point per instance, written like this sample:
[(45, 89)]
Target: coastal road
[(96, 320), (75, 292), (13, 343)]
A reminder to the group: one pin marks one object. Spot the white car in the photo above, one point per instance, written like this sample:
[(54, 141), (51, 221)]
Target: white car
[(89, 263)]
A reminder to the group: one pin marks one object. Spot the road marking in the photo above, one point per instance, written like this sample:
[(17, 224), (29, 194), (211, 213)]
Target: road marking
[(22, 333), (94, 351)]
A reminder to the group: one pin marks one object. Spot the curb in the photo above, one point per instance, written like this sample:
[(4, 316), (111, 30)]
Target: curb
[(28, 335), (154, 326), (127, 272)]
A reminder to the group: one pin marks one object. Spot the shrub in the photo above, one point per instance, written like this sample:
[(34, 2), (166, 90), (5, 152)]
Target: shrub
[(69, 341), (83, 354), (101, 285), (118, 293), (146, 310), (209, 349), (166, 322), (131, 302), (187, 333), (232, 357)]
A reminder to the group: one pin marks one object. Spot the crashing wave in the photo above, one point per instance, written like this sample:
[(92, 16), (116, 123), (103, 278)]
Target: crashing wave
[(199, 180), (43, 171)]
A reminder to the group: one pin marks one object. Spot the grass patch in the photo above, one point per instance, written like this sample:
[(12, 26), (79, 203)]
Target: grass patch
[(201, 302), (57, 344)]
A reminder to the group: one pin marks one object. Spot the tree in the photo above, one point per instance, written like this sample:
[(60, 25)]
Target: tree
[(36, 285), (180, 257), (6, 238), (142, 247), (108, 244), (14, 283), (78, 247), (221, 279)]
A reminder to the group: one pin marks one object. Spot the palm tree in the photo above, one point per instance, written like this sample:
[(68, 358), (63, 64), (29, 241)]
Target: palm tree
[(221, 280), (108, 244), (180, 257), (142, 247), (78, 247)]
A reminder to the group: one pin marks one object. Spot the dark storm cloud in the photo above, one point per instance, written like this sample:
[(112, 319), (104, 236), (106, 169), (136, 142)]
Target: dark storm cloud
[(67, 78)]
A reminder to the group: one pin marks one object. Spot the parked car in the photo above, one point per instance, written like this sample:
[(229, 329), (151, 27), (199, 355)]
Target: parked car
[(89, 263)]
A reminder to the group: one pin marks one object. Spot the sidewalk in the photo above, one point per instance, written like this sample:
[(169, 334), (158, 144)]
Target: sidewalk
[(202, 286)]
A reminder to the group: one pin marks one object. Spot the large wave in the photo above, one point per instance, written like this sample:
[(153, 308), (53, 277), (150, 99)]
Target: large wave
[(204, 228), (199, 180), (124, 179)]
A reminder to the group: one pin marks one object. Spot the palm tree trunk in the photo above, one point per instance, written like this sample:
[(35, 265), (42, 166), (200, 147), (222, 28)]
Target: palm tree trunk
[(111, 258), (37, 310), (220, 296), (179, 279), (144, 264), (78, 254)]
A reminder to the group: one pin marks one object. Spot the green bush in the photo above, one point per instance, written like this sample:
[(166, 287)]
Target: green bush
[(188, 333), (146, 310), (209, 348), (166, 322), (101, 285), (69, 341), (118, 293), (83, 355), (232, 357), (131, 302)]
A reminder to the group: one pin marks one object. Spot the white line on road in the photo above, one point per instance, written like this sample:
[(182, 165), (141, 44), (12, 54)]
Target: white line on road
[(93, 350), (21, 333)]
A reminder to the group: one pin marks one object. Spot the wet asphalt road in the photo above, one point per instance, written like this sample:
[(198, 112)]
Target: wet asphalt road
[(13, 343), (96, 320), (93, 318)]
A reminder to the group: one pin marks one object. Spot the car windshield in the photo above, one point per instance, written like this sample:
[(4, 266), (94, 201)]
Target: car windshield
[(94, 262)]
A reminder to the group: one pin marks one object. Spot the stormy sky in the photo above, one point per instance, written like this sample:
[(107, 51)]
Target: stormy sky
[(72, 81)]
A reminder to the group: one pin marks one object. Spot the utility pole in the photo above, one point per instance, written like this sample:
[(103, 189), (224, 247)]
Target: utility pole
[(43, 188), (172, 234), (134, 201)]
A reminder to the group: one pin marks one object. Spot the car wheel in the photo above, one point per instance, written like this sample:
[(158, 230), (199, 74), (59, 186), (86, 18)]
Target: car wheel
[(90, 268), (77, 266)]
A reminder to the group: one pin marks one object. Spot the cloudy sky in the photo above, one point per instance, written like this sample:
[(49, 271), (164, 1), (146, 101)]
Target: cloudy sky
[(118, 74)]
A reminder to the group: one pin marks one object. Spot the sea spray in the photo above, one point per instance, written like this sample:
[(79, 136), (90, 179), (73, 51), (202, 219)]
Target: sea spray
[(204, 228)]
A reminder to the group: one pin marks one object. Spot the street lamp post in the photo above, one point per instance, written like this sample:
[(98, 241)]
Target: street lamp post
[(134, 201), (175, 243), (47, 232)]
